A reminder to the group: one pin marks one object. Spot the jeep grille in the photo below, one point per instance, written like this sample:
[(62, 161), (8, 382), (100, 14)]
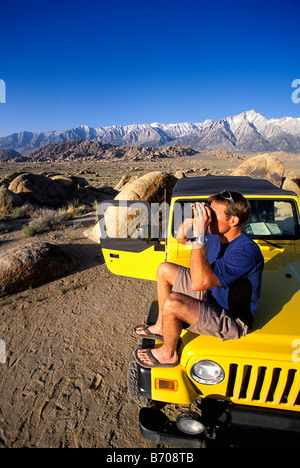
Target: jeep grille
[(274, 387)]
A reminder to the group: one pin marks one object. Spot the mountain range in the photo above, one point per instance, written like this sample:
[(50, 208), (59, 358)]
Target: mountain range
[(248, 132)]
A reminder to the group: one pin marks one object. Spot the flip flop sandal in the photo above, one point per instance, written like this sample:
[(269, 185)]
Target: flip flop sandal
[(155, 362), (147, 333)]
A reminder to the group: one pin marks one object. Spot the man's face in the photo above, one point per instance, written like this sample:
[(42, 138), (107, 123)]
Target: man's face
[(220, 224)]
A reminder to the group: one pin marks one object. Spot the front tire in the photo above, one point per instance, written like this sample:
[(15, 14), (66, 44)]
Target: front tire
[(132, 382)]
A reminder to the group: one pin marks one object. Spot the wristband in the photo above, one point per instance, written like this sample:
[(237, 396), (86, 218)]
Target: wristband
[(201, 240)]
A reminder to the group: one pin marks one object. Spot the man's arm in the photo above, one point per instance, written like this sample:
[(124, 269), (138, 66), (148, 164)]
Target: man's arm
[(202, 273), (184, 231)]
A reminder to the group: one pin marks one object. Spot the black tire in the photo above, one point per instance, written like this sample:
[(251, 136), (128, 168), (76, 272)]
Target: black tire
[(132, 382)]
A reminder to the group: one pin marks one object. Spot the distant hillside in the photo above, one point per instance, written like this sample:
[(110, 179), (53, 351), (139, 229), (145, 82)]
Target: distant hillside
[(90, 150), (248, 133), (7, 155)]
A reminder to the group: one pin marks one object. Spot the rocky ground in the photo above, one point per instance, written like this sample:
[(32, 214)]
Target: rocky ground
[(69, 342)]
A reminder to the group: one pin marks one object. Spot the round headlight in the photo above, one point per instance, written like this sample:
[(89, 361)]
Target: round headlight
[(207, 372), (190, 423)]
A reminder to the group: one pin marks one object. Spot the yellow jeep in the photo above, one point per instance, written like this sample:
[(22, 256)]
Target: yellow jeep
[(243, 392)]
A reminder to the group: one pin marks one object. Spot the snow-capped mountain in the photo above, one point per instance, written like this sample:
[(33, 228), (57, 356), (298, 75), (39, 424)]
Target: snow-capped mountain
[(248, 132)]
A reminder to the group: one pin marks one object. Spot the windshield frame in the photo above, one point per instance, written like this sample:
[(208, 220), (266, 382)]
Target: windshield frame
[(281, 237)]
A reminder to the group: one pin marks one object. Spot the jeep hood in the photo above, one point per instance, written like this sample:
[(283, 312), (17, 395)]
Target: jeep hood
[(277, 319)]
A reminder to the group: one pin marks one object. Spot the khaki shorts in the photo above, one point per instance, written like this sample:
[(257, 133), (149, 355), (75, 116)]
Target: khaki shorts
[(212, 320)]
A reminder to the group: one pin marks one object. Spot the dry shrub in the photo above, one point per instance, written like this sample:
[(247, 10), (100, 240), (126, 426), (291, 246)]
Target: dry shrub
[(6, 203), (45, 219)]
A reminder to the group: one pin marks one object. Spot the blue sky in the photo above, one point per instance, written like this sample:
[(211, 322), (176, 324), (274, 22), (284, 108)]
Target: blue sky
[(118, 62)]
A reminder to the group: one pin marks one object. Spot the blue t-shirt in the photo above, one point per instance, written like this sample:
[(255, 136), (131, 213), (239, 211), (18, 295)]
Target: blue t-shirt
[(238, 266)]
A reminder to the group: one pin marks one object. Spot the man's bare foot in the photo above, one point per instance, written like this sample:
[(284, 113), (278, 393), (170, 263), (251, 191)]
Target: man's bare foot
[(151, 331), (159, 355)]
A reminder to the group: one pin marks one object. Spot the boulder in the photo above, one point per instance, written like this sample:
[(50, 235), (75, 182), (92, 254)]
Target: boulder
[(179, 174), (93, 233), (9, 200), (154, 187), (65, 181), (125, 179), (79, 181), (264, 166), (89, 195), (69, 182), (32, 265), (8, 178), (291, 184), (39, 189)]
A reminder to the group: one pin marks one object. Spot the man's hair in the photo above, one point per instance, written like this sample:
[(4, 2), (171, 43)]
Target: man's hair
[(240, 208)]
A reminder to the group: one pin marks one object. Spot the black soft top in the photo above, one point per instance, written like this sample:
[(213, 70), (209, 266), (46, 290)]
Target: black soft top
[(210, 185)]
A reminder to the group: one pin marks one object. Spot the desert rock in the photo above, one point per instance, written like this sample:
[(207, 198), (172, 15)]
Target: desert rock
[(179, 174), (38, 189), (32, 265), (264, 166), (65, 181), (9, 199), (290, 184), (55, 190), (93, 233), (125, 179), (154, 187), (9, 178)]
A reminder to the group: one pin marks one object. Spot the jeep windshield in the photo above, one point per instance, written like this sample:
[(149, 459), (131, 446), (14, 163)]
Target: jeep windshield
[(270, 219), (277, 219)]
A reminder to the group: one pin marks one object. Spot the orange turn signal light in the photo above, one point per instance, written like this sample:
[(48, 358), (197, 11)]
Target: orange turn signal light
[(166, 384)]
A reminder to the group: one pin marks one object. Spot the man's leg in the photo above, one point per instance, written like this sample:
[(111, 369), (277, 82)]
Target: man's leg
[(177, 309), (165, 277)]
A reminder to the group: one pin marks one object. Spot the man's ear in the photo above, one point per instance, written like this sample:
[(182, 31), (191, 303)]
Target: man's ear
[(234, 221)]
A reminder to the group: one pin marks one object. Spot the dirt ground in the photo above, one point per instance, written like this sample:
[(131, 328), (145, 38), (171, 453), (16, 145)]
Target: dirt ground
[(68, 345)]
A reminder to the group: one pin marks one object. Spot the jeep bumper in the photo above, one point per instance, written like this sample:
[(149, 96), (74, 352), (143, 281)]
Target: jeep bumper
[(158, 429), (225, 426)]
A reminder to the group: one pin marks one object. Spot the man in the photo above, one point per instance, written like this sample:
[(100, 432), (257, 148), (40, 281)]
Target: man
[(218, 294)]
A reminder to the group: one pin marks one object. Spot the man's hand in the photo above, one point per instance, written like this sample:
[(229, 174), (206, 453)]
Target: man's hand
[(202, 218)]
